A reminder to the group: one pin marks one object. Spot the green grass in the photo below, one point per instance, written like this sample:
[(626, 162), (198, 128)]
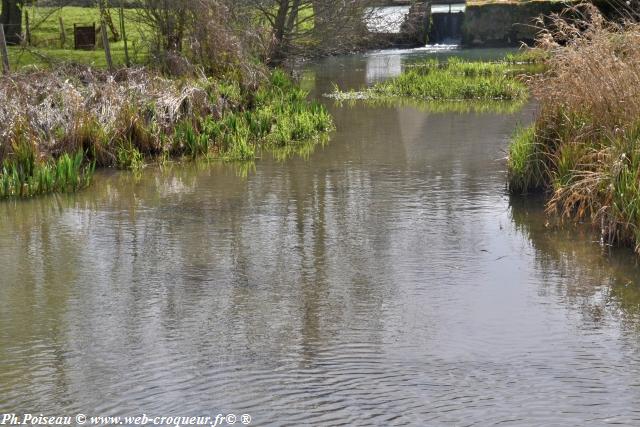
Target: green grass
[(46, 48), (454, 80), (23, 176), (128, 156), (282, 116), (527, 56), (350, 99), (525, 162)]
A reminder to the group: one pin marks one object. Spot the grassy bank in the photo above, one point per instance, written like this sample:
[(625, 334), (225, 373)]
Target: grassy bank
[(583, 148), (60, 125), (448, 82), (47, 47)]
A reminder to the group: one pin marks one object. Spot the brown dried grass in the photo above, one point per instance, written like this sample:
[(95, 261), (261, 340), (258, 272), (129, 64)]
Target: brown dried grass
[(76, 107), (588, 126)]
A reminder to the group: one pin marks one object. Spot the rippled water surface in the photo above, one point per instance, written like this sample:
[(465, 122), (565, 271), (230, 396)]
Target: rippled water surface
[(386, 280)]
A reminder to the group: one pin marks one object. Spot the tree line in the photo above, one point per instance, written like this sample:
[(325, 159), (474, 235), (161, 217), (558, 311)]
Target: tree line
[(211, 31)]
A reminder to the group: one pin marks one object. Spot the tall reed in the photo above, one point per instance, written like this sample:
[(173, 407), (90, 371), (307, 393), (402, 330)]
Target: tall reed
[(582, 149)]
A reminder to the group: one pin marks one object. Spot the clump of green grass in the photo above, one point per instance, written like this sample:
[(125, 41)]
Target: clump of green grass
[(188, 141), (23, 176), (128, 156), (281, 116), (460, 67), (527, 56), (527, 169), (461, 106), (455, 79)]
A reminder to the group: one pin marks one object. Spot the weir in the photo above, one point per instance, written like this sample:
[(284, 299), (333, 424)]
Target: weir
[(446, 22)]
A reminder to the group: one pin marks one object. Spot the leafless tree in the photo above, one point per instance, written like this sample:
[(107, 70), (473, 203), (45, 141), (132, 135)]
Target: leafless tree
[(211, 31), (168, 21), (309, 27)]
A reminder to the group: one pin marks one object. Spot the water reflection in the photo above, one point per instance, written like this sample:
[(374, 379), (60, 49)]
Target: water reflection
[(358, 71), (382, 67), (385, 279), (600, 281)]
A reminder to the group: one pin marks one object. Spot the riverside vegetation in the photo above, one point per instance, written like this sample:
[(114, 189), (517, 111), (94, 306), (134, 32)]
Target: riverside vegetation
[(208, 88), (455, 84), (583, 148), (60, 125)]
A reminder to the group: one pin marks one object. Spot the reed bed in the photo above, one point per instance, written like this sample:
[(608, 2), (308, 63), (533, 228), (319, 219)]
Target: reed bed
[(86, 118), (583, 148)]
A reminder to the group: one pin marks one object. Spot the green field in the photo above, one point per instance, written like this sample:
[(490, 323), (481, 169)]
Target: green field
[(46, 41)]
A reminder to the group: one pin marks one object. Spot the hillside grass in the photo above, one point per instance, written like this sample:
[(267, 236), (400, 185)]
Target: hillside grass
[(46, 48)]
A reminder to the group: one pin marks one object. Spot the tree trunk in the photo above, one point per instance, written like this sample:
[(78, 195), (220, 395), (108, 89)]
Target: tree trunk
[(11, 18), (279, 34), (321, 18)]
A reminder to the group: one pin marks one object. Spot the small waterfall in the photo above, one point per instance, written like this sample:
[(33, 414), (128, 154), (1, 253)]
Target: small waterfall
[(446, 23)]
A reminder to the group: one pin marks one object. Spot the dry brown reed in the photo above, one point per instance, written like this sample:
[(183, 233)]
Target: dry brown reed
[(81, 108), (585, 138)]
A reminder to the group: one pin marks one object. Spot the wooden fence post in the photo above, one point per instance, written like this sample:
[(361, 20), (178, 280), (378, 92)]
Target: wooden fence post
[(27, 26), (105, 43), (63, 36), (3, 51)]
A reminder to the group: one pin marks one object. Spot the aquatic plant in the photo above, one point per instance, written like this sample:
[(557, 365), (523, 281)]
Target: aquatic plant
[(26, 177), (527, 169), (189, 142), (128, 156), (446, 84), (528, 55), (458, 66), (444, 106), (455, 79)]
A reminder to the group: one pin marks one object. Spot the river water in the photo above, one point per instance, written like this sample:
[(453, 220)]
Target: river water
[(387, 279)]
